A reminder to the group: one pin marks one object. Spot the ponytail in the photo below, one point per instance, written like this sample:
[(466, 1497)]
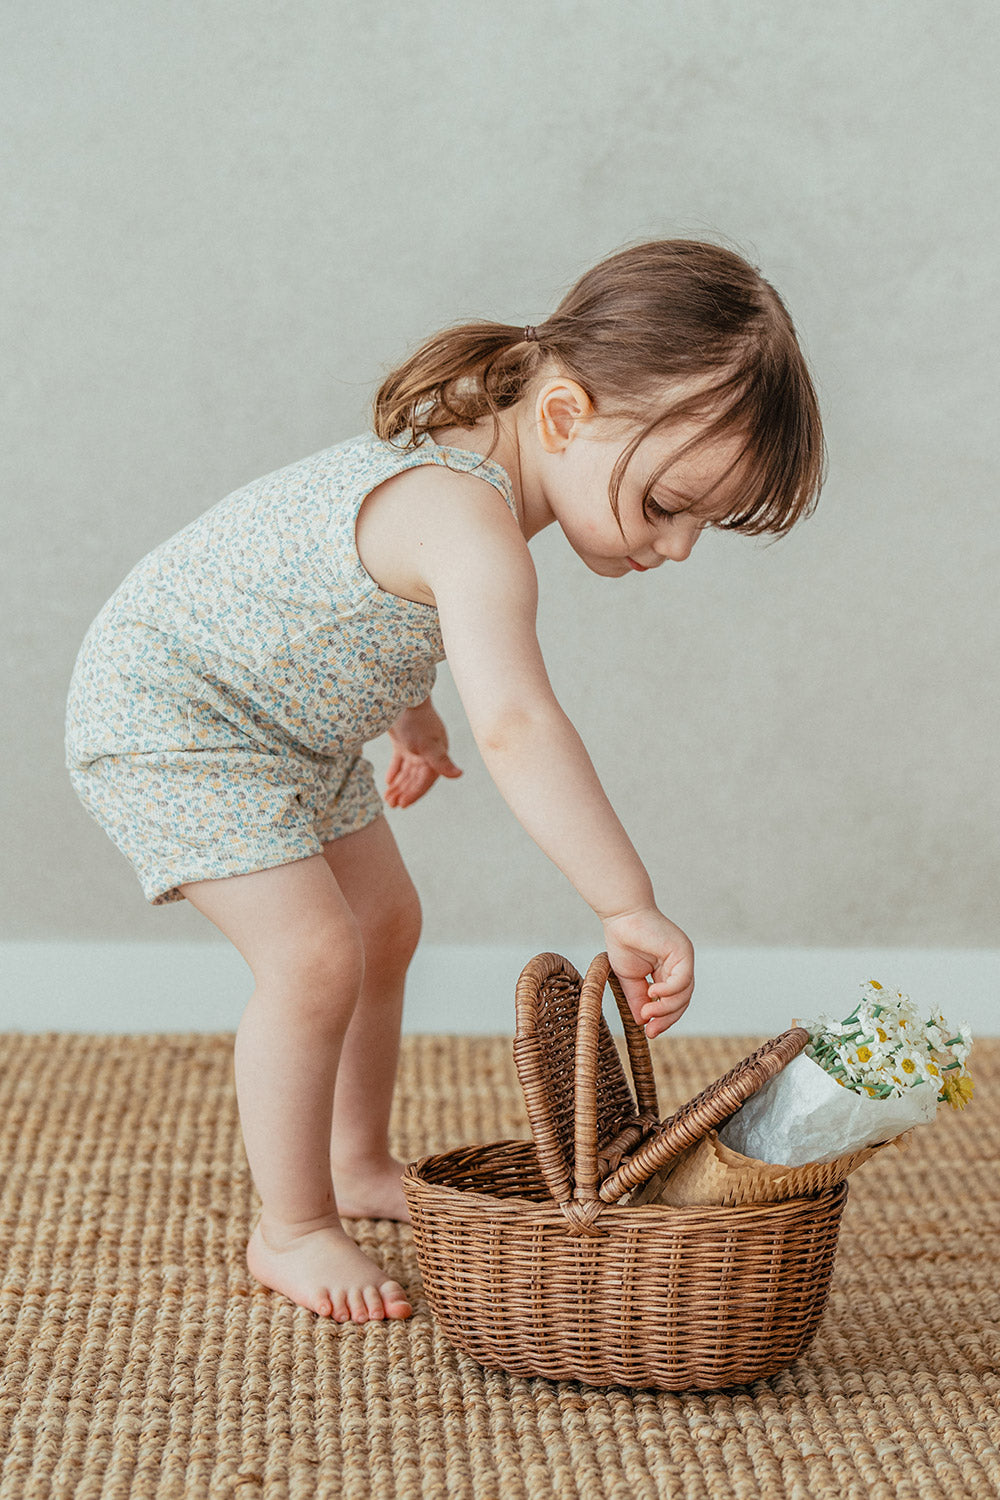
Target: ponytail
[(455, 378)]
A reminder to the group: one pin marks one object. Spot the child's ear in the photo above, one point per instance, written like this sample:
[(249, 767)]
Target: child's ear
[(561, 407)]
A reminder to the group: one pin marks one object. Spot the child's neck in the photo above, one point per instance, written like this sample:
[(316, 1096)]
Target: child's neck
[(514, 453)]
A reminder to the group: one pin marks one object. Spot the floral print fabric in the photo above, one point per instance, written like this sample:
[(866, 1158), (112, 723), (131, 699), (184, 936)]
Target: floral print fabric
[(221, 698)]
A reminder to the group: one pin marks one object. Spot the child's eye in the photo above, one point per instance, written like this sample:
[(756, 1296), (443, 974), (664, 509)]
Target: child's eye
[(653, 510)]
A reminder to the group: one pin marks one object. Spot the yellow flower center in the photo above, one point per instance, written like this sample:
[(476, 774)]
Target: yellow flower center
[(957, 1091), (883, 1036), (864, 1054), (908, 1065), (874, 984)]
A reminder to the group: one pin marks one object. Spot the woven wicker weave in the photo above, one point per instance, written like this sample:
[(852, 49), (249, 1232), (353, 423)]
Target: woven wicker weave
[(529, 1268)]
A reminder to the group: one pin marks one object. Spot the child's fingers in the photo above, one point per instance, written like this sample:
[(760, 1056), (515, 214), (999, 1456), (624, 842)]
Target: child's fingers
[(398, 773), (663, 996), (409, 776), (676, 985), (672, 980), (661, 1014), (665, 1005), (443, 765), (658, 1025), (667, 1000), (413, 787), (634, 991), (403, 788)]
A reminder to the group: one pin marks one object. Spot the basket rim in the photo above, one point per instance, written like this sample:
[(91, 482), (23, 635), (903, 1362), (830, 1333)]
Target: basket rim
[(508, 1205)]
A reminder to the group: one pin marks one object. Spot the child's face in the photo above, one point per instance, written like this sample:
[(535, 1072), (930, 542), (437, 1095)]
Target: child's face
[(682, 503)]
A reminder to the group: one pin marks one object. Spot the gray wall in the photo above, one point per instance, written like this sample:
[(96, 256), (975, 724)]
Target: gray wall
[(228, 219)]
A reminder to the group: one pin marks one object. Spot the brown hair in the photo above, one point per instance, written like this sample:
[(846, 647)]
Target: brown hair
[(652, 316)]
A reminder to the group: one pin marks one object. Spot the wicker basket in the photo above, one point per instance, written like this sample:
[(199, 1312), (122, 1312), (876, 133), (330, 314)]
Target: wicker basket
[(531, 1265)]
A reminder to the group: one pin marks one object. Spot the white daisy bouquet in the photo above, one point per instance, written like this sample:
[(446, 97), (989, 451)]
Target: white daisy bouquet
[(886, 1047), (858, 1082)]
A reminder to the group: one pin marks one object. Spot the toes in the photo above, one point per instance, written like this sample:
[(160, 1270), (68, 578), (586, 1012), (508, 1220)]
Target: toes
[(373, 1302), (365, 1304), (395, 1300), (356, 1302)]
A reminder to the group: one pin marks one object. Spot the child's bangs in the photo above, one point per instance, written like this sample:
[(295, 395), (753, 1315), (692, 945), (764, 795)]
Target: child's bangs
[(777, 474), (780, 471)]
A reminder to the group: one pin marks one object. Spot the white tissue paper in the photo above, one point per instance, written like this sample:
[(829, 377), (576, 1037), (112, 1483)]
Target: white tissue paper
[(803, 1114)]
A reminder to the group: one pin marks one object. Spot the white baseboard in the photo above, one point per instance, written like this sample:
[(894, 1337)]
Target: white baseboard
[(468, 988)]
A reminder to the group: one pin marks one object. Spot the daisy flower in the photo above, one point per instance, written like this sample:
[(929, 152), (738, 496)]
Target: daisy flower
[(887, 1046)]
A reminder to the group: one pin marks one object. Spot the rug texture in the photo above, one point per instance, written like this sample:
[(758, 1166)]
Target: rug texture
[(140, 1358)]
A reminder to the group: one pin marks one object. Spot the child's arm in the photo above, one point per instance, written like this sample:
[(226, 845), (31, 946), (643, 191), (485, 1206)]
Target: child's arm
[(478, 568)]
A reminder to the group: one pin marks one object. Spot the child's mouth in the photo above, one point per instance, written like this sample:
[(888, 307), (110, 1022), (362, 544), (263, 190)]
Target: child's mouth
[(637, 566)]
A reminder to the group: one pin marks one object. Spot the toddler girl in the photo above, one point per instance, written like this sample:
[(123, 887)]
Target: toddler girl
[(222, 699)]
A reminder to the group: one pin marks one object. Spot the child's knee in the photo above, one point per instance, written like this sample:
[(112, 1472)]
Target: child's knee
[(391, 932), (324, 963)]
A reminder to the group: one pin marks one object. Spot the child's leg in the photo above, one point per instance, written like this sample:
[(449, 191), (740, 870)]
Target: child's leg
[(295, 928), (370, 872)]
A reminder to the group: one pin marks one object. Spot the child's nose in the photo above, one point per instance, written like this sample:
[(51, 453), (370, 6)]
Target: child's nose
[(677, 541)]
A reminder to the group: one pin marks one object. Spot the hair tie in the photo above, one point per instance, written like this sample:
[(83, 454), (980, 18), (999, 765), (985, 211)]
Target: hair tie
[(530, 335)]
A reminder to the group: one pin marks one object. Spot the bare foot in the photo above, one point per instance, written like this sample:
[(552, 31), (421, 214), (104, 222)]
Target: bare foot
[(371, 1192), (323, 1269)]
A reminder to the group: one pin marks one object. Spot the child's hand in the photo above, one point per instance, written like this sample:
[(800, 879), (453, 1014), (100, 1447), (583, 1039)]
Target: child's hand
[(645, 943), (420, 755)]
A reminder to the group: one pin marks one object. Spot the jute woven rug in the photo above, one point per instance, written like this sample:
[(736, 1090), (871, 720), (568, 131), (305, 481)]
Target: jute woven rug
[(140, 1359)]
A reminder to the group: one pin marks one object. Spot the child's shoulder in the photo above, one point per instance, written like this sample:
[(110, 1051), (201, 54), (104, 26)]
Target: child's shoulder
[(428, 480), (436, 498), (440, 466), (360, 463)]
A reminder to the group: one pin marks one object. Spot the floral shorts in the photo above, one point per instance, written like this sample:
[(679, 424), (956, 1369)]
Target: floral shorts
[(180, 816)]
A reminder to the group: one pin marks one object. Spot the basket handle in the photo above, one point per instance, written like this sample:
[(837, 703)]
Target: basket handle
[(585, 1174)]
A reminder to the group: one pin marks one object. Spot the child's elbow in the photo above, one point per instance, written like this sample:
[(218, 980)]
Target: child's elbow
[(518, 728)]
